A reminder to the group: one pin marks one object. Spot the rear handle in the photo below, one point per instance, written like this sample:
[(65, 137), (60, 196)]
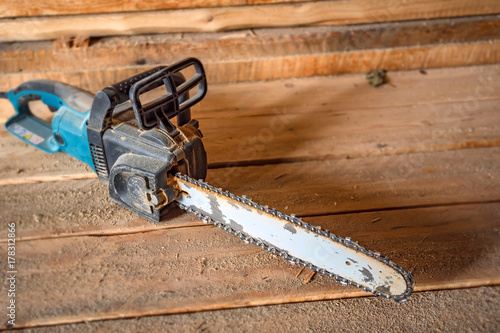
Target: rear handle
[(57, 96)]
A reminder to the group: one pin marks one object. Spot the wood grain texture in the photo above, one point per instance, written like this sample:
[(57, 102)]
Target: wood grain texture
[(251, 146), (290, 66), (195, 269), (305, 188), (234, 18), (422, 191), (448, 310), (325, 117), (18, 8), (114, 52), (309, 95)]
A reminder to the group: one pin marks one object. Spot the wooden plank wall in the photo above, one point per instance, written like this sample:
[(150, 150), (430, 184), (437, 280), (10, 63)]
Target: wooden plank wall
[(364, 162), (240, 17), (313, 38)]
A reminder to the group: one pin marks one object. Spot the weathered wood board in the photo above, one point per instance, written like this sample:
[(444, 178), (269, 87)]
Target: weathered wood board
[(303, 188), (337, 117), (238, 17), (114, 52), (261, 54), (179, 270), (409, 169), (449, 310), (65, 7), (415, 178)]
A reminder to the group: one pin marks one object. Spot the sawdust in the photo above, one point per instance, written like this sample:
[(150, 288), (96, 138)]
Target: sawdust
[(61, 207), (33, 161), (468, 310), (137, 271)]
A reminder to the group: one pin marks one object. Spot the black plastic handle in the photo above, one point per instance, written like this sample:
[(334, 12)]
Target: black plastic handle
[(107, 99), (122, 88), (101, 112), (157, 114), (175, 101)]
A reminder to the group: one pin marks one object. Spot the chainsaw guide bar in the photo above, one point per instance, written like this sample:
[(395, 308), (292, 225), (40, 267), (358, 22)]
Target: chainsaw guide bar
[(307, 245)]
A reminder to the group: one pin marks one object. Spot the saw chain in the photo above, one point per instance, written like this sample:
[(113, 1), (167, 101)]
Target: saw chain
[(383, 290)]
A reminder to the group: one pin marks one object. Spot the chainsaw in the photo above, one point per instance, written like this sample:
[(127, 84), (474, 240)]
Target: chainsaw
[(126, 134)]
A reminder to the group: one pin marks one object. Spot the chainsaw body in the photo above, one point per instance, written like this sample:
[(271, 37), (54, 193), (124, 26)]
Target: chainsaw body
[(128, 141)]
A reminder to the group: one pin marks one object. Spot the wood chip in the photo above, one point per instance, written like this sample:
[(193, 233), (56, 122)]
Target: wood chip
[(297, 275), (309, 277)]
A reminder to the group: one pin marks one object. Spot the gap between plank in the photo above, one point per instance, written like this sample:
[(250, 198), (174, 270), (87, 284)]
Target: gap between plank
[(235, 18), (252, 302), (202, 116), (111, 232), (388, 209), (410, 150), (146, 229), (262, 162), (47, 179)]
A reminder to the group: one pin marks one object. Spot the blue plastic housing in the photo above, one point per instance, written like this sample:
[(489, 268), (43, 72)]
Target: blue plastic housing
[(67, 132)]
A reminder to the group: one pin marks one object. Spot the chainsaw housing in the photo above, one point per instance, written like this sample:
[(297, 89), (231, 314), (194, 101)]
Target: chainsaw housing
[(133, 143), (140, 162)]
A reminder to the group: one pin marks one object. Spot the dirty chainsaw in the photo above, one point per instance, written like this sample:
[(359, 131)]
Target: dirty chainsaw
[(126, 134)]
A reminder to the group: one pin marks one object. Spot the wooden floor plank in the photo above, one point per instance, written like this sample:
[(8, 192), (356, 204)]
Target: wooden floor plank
[(234, 18), (325, 117), (303, 188), (307, 95), (294, 137), (47, 211), (193, 269), (451, 310), (324, 187), (349, 134), (349, 92)]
